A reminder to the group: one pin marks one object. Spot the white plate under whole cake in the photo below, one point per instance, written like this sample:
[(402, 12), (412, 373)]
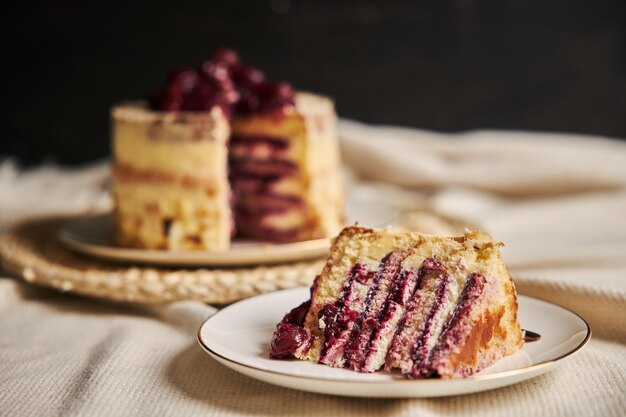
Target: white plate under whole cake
[(239, 336), (93, 236)]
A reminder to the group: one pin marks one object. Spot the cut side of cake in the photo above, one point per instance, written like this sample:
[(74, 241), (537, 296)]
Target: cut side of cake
[(285, 172), (219, 152), (427, 306)]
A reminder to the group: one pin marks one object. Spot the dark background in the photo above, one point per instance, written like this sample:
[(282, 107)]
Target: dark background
[(445, 65)]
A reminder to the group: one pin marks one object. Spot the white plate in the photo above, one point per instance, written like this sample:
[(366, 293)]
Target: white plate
[(93, 236), (238, 336)]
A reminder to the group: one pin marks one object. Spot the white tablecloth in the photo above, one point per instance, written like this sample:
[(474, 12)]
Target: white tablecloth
[(557, 201)]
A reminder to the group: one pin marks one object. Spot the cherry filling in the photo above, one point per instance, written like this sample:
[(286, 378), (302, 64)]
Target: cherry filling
[(353, 338), (339, 327), (224, 81), (287, 339), (430, 269), (454, 330), (420, 350), (290, 336), (256, 207), (273, 142), (389, 270)]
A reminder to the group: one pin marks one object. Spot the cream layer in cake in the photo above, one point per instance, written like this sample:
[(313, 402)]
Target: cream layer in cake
[(285, 172), (170, 182), (428, 306)]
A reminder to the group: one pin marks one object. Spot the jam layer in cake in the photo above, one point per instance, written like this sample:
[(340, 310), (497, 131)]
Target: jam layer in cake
[(284, 171), (427, 306)]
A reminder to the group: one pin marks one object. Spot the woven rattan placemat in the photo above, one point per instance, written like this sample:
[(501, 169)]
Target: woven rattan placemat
[(31, 251)]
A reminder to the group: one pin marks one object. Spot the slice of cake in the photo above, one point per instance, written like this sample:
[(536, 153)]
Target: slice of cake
[(181, 181), (428, 306)]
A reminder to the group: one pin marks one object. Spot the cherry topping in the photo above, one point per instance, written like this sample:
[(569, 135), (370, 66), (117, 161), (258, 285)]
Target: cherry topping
[(217, 71), (273, 96), (184, 77), (249, 103), (226, 55), (279, 89), (221, 81), (248, 76), (227, 91), (200, 98)]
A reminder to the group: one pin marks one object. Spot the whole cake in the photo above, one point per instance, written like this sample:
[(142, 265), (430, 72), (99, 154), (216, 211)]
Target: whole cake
[(428, 306), (219, 151)]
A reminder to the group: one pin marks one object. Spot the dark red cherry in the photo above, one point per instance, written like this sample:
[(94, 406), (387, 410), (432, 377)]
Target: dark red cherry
[(282, 90), (226, 55), (215, 70), (200, 98), (275, 90), (174, 90), (249, 103), (226, 90), (247, 75), (221, 81), (287, 339), (274, 95), (186, 78), (297, 315)]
